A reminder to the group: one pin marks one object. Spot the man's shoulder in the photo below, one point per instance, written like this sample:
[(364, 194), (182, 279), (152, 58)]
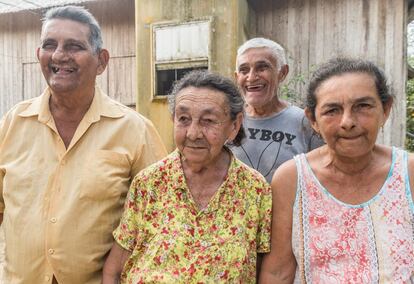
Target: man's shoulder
[(295, 111), (19, 108), (128, 113)]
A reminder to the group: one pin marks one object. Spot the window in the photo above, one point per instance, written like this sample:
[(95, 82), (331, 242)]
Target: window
[(177, 49)]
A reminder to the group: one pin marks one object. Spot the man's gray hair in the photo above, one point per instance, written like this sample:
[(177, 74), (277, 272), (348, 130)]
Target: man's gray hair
[(77, 14), (277, 50)]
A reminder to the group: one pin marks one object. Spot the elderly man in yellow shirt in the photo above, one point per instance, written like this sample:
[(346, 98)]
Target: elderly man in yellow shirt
[(67, 159)]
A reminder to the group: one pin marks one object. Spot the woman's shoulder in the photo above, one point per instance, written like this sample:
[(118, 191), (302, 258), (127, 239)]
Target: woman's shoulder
[(285, 176), (246, 173), (169, 165), (410, 161)]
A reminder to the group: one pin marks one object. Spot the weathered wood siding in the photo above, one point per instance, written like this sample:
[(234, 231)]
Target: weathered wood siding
[(313, 31), (20, 75)]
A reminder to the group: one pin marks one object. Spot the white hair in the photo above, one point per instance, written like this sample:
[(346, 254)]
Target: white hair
[(276, 49)]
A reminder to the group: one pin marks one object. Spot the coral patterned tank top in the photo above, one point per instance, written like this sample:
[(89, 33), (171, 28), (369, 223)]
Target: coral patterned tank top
[(373, 242)]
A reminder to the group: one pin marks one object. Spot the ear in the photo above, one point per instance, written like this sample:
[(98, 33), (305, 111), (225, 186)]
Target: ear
[(37, 53), (236, 124), (103, 58), (284, 70), (312, 120), (236, 75), (387, 109)]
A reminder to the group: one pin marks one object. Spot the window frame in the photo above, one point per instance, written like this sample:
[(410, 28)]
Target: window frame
[(197, 62)]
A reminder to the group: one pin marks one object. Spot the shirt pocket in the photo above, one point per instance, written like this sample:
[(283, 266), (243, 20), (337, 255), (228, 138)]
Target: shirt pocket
[(105, 175)]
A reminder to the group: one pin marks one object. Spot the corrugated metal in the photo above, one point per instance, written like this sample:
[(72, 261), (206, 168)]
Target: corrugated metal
[(12, 6)]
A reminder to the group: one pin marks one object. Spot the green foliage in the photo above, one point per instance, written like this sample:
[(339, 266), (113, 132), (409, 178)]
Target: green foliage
[(410, 115), (288, 91)]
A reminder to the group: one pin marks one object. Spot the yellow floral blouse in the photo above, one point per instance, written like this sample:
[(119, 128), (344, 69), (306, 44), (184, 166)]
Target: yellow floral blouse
[(172, 241)]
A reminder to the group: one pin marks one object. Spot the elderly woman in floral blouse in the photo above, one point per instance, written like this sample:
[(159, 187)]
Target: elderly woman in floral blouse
[(199, 215)]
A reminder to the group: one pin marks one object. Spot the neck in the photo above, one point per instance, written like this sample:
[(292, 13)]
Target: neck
[(70, 106), (217, 165), (274, 106), (351, 166)]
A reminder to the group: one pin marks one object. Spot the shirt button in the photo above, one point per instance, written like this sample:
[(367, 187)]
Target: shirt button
[(47, 278), (51, 251), (53, 220)]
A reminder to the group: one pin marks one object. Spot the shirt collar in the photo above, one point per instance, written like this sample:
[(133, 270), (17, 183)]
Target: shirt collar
[(101, 105), (225, 188)]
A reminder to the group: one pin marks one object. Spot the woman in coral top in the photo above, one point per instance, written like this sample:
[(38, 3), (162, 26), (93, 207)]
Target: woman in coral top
[(344, 212)]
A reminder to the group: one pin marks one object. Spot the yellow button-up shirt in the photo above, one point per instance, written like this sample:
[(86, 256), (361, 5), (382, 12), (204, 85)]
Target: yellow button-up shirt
[(61, 205)]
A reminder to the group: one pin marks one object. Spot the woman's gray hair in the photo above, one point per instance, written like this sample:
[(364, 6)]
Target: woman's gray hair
[(213, 81), (81, 15), (277, 50), (339, 66)]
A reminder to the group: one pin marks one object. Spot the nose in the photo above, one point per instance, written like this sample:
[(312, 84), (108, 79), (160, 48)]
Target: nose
[(347, 120), (252, 75), (194, 131), (59, 54)]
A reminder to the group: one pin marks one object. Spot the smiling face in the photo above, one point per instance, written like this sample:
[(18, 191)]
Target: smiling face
[(202, 124), (349, 113), (66, 57), (258, 76)]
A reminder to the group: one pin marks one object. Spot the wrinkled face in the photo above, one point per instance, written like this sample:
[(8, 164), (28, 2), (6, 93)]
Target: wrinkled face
[(258, 76), (66, 57), (202, 124), (349, 113)]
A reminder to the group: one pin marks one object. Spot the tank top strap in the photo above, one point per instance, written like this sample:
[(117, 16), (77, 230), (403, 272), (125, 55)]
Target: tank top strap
[(400, 172)]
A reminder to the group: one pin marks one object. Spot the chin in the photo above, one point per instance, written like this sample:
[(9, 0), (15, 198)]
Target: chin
[(61, 88)]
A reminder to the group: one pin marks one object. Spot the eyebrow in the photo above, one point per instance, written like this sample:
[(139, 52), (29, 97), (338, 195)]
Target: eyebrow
[(365, 99), (359, 100), (66, 41), (255, 63), (205, 111)]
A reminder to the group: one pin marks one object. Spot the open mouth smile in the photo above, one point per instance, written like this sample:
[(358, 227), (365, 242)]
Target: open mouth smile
[(62, 70), (255, 88)]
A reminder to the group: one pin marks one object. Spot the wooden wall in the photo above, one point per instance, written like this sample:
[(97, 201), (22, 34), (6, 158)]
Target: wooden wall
[(312, 31), (20, 75)]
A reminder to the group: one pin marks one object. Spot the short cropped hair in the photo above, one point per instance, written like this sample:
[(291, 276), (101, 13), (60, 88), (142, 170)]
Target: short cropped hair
[(81, 15), (276, 49), (213, 81)]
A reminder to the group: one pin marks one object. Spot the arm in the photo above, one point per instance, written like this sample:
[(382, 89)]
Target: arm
[(259, 261), (279, 265), (3, 130), (411, 173), (114, 264)]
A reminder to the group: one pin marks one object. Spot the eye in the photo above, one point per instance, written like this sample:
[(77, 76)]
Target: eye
[(207, 122), (331, 112), (262, 67), (363, 106), (244, 70), (74, 47), (48, 46), (183, 120)]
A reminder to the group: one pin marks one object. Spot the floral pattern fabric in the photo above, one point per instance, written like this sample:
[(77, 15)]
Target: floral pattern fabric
[(172, 241), (373, 242)]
